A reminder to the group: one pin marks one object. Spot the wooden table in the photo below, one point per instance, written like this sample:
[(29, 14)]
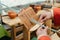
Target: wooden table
[(9, 21), (12, 23)]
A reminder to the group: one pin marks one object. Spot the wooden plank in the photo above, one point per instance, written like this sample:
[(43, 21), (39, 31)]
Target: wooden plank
[(34, 27), (26, 35), (20, 36), (19, 28), (13, 33)]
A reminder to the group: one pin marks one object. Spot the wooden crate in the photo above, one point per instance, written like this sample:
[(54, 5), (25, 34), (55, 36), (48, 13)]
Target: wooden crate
[(14, 29), (25, 17)]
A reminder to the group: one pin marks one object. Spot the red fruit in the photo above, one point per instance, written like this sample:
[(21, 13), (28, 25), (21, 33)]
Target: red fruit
[(12, 14)]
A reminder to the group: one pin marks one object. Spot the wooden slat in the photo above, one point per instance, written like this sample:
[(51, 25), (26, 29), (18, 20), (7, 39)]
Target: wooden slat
[(19, 28), (13, 33), (34, 27), (20, 36), (26, 35)]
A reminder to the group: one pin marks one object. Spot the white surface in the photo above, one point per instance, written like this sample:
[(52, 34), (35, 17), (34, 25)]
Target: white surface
[(35, 27), (55, 37), (11, 3)]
